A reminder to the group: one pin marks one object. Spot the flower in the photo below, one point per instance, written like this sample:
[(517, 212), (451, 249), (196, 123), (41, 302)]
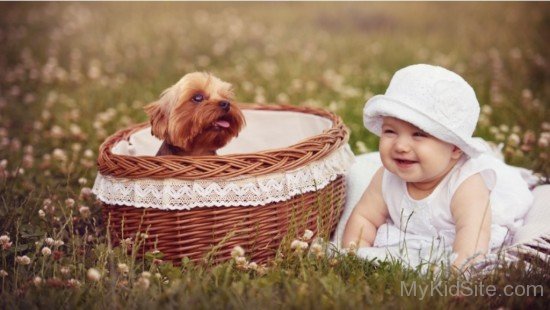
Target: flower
[(237, 252), (65, 270), (146, 274), (241, 262), (49, 241), (84, 211), (123, 268), (143, 283), (82, 181), (74, 283), (93, 275), (46, 251), (317, 250), (514, 140), (352, 246), (85, 192), (3, 273), (253, 266), (69, 202), (58, 243), (23, 260), (5, 242), (544, 140), (299, 245), (37, 281), (307, 235), (41, 213)]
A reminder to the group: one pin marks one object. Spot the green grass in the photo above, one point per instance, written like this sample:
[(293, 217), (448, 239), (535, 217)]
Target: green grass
[(72, 74)]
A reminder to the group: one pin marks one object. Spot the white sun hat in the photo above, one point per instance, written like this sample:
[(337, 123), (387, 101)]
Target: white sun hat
[(432, 98)]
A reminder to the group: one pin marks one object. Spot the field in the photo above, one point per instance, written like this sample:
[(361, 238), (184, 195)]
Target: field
[(72, 74)]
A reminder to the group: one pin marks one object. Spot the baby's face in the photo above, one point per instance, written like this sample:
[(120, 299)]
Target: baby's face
[(414, 155)]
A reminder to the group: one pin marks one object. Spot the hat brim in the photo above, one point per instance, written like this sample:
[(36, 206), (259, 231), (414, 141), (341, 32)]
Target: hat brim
[(382, 105)]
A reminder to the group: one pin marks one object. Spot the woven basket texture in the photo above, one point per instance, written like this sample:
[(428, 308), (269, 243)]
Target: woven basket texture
[(210, 233)]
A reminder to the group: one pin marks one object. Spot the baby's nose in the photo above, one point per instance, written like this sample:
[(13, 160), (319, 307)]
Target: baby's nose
[(402, 146), (225, 105)]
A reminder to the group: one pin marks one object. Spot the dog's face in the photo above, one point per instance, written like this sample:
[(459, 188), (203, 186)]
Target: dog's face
[(197, 114)]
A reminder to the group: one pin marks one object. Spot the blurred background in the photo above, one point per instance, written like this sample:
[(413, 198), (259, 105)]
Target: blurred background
[(73, 73)]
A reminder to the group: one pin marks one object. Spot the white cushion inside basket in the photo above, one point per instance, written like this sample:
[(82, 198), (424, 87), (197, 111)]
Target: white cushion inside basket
[(264, 130)]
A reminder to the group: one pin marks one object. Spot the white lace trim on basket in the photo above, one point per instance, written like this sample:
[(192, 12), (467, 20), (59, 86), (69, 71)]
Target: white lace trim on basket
[(175, 194)]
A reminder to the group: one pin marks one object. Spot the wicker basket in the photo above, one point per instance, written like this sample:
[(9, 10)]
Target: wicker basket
[(215, 231)]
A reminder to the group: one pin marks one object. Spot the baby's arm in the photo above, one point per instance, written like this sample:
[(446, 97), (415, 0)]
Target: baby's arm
[(472, 216), (369, 213)]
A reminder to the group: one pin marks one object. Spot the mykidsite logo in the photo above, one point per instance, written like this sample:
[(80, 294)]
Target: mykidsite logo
[(459, 288)]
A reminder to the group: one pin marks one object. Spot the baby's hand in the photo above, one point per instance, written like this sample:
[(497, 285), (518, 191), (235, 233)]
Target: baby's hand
[(369, 213), (471, 212)]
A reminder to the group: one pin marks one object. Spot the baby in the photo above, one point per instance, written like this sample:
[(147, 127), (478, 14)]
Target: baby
[(439, 190)]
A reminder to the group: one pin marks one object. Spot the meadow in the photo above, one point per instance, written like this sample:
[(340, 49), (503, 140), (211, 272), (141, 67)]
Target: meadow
[(71, 74)]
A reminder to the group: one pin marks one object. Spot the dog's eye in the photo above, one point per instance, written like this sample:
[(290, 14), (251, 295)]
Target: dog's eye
[(197, 98)]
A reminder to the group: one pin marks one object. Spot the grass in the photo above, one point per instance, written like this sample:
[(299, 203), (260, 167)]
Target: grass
[(74, 73)]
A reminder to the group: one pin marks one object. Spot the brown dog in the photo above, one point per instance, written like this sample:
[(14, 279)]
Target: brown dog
[(196, 116)]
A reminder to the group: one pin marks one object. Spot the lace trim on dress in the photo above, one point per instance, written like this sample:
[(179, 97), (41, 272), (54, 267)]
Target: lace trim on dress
[(175, 194)]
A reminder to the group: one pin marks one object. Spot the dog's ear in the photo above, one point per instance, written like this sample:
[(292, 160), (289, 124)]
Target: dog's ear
[(158, 118)]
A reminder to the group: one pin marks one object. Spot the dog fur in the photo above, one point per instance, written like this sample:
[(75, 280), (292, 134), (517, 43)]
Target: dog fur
[(196, 116)]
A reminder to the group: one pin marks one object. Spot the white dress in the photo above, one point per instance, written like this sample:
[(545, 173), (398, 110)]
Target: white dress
[(422, 231)]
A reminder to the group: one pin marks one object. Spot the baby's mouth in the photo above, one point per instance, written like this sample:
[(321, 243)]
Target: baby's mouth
[(404, 162)]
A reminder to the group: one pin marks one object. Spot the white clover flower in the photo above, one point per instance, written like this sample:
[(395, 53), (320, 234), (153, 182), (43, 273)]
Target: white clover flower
[(317, 249), (514, 139), (143, 283), (65, 270), (352, 246), (253, 266), (123, 268), (49, 241), (504, 128), (41, 213), (486, 109), (299, 245), (74, 283), (93, 275), (58, 243), (4, 239), (23, 260), (237, 252), (3, 273), (60, 155), (3, 163), (146, 274), (85, 192), (46, 251), (84, 211), (69, 202), (241, 262), (37, 281), (88, 153), (82, 181), (307, 235)]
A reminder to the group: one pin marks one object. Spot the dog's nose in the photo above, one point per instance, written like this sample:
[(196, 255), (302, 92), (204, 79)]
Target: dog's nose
[(225, 105)]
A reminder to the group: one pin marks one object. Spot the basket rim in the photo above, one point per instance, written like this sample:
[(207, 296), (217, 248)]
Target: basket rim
[(224, 166)]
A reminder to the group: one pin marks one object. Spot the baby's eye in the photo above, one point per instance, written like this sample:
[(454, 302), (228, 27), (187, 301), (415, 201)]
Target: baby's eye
[(197, 98), (420, 134), (388, 131)]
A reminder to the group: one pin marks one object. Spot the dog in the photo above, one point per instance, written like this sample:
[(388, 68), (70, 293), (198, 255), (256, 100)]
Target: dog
[(196, 116)]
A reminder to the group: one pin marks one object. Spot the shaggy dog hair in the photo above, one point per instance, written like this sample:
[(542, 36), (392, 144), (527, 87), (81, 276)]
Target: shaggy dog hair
[(196, 116)]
